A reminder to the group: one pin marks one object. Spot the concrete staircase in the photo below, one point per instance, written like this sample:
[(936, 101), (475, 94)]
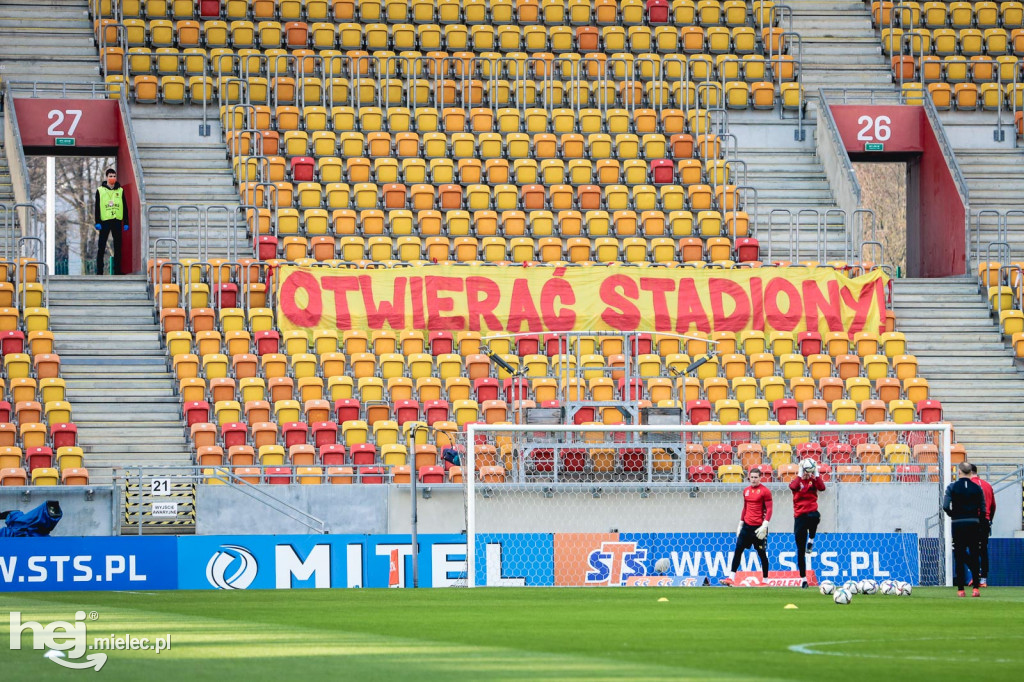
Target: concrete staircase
[(183, 168), (961, 353), (6, 188), (48, 40), (787, 174), (839, 47), (122, 395)]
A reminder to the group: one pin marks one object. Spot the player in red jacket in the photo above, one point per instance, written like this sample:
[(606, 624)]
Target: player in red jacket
[(805, 512), (753, 528), (986, 526)]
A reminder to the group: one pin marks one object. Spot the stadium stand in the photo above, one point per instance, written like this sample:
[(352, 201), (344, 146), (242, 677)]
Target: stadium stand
[(366, 134)]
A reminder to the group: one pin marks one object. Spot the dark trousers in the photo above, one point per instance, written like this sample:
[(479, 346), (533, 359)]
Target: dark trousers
[(112, 229), (966, 537), (983, 536), (744, 541), (804, 527)]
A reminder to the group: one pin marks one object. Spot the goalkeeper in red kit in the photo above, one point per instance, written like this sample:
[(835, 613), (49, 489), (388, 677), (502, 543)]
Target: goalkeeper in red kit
[(753, 528), (805, 512)]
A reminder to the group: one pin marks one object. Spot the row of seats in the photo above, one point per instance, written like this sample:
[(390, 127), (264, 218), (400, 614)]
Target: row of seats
[(736, 352), (958, 15), (30, 436), (945, 42), (481, 39), (269, 363), (718, 252), (44, 476), (333, 75), (417, 158), (977, 70), (801, 390), (541, 194), (474, 12), (355, 419), (315, 475), (965, 96)]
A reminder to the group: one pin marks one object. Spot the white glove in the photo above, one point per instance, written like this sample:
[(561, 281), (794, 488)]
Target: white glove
[(762, 531), (739, 527)]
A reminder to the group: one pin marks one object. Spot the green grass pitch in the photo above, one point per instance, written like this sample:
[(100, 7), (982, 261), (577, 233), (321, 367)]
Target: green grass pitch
[(507, 633)]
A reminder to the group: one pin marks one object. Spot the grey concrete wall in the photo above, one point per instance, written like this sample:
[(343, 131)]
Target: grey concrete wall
[(836, 163), (87, 510), (378, 509), (228, 510), (1008, 512)]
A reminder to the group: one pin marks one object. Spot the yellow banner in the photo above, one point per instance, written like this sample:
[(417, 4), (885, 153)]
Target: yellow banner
[(542, 299)]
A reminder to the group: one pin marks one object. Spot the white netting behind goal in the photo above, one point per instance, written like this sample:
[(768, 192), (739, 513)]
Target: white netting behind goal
[(600, 505)]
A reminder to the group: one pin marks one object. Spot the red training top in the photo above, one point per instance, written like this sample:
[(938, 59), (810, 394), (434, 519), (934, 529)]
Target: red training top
[(757, 505), (990, 497), (805, 494)]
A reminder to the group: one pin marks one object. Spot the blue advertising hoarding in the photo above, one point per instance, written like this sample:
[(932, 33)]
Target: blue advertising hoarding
[(88, 563), (527, 559), (320, 561)]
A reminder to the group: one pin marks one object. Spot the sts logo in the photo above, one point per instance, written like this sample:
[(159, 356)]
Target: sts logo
[(231, 568), (615, 562)]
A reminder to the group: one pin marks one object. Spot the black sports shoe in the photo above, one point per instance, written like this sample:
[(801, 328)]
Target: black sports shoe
[(810, 548), (803, 584)]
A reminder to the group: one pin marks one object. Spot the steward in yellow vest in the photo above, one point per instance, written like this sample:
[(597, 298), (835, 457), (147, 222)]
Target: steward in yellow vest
[(110, 214)]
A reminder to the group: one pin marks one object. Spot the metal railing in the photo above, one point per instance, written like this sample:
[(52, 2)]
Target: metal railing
[(140, 474)]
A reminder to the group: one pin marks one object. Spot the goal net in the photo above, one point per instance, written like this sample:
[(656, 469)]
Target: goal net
[(600, 505)]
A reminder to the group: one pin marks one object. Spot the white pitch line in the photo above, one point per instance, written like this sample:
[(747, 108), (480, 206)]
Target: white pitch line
[(807, 648)]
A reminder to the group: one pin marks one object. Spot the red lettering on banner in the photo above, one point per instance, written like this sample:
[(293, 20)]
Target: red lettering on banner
[(617, 291), (689, 311), (817, 305), (774, 316), (301, 317), (419, 319), (522, 310), (561, 291), (756, 304), (659, 288), (482, 298), (861, 304), (880, 296), (391, 312), (437, 304), (341, 285), (736, 320)]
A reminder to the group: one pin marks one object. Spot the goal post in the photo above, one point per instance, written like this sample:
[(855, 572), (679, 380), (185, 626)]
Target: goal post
[(597, 504)]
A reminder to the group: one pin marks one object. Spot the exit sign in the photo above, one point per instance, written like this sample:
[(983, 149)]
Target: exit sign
[(64, 141), (874, 147)]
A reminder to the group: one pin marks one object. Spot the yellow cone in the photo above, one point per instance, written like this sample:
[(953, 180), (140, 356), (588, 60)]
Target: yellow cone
[(790, 606), (663, 599)]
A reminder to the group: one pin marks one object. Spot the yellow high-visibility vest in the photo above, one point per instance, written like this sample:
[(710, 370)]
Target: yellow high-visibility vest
[(111, 203)]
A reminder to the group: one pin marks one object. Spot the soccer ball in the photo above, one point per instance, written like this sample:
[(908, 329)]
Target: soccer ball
[(851, 586), (842, 596), (808, 464), (903, 589), (662, 565), (887, 587), (868, 586), (826, 587)]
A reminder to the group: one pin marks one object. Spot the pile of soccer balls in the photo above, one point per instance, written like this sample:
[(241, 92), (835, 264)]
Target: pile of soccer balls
[(843, 594)]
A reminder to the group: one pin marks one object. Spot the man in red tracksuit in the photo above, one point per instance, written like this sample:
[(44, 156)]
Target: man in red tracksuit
[(806, 517), (986, 526), (753, 528)]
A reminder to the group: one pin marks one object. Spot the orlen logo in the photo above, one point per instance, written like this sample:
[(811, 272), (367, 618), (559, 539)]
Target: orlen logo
[(231, 568), (615, 562)]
